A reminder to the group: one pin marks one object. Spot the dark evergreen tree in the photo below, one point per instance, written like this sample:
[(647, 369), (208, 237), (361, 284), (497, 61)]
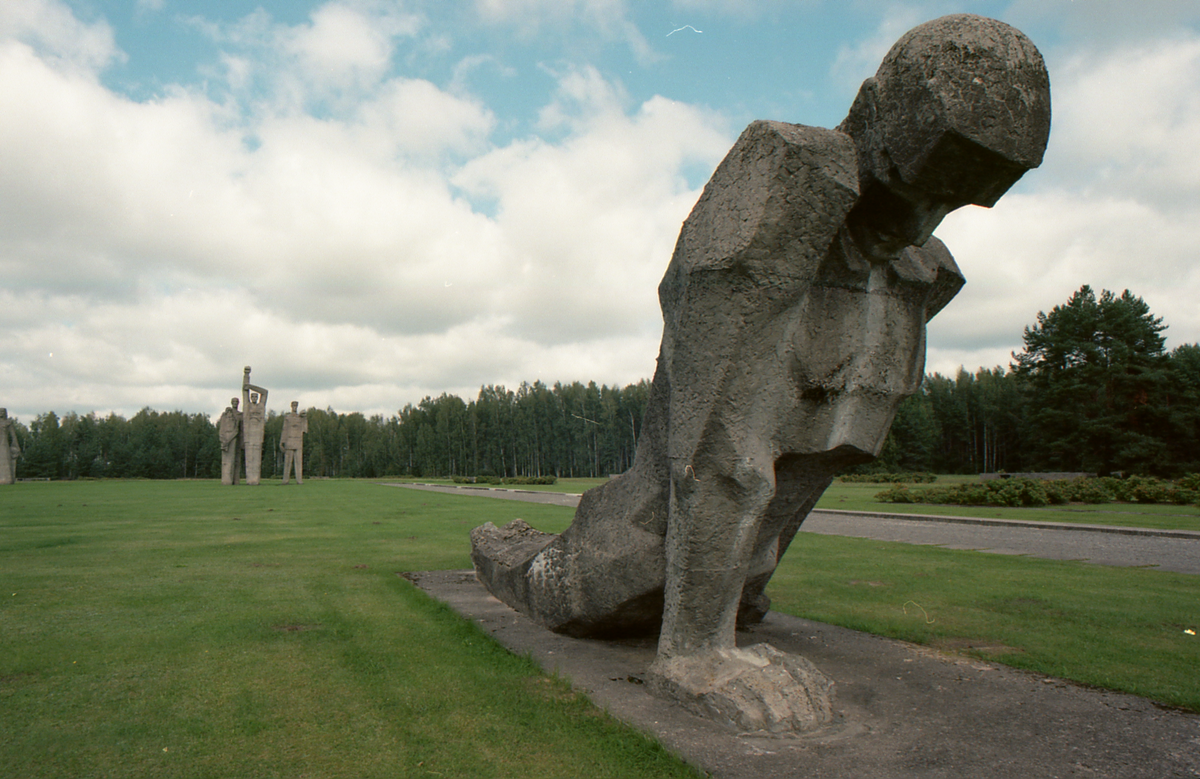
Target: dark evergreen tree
[(1095, 376), (912, 442), (1182, 413), (45, 455)]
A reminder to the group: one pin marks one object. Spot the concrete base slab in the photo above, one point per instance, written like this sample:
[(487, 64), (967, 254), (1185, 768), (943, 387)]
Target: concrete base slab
[(901, 710)]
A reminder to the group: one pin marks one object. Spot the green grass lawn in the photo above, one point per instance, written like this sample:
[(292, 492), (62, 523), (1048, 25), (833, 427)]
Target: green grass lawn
[(185, 629), (1119, 628)]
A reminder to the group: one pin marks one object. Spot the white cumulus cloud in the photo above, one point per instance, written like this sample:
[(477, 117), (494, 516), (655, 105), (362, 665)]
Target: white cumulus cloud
[(358, 256)]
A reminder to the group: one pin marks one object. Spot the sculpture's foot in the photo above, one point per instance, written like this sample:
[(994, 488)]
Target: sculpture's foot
[(758, 688)]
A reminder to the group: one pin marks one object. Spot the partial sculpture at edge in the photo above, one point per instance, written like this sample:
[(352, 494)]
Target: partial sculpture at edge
[(794, 313), (9, 449), (291, 441), (254, 426)]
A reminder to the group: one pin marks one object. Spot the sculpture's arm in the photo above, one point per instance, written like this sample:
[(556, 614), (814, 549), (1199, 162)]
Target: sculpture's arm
[(262, 392), (227, 428)]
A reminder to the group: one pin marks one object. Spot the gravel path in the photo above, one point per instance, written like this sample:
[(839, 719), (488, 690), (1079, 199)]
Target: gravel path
[(1167, 550)]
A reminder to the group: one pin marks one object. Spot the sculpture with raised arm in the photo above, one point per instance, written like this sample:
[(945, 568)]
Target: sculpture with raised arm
[(794, 312), (254, 426), (9, 449)]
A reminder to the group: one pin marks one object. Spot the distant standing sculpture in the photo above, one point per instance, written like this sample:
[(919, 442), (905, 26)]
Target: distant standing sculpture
[(9, 450), (794, 313), (254, 426), (295, 425), (229, 432)]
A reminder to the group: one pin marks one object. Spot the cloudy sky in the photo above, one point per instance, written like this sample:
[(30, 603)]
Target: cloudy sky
[(371, 201)]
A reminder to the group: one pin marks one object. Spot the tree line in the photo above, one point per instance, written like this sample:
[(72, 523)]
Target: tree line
[(1093, 390), (568, 430)]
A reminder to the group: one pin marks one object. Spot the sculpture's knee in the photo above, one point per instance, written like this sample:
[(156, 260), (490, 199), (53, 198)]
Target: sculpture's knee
[(733, 492)]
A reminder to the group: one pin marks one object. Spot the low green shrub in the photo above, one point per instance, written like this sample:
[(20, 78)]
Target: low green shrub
[(898, 494), (1037, 492), (529, 479), (1190, 481), (911, 477)]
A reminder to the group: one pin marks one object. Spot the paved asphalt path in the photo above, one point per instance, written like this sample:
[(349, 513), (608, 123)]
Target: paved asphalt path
[(1167, 550)]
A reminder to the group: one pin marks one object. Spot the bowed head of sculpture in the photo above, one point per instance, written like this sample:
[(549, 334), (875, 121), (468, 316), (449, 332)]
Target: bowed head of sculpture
[(958, 111)]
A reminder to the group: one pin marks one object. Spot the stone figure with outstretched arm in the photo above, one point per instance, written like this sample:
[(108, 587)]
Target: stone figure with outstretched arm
[(794, 311), (254, 426)]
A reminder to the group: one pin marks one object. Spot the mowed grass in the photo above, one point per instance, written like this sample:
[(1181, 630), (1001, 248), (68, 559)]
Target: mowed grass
[(858, 496), (1119, 628), (193, 630), (185, 629)]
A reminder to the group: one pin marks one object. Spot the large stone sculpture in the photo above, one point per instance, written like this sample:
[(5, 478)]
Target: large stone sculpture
[(794, 313), (254, 426), (229, 433), (291, 441), (9, 449)]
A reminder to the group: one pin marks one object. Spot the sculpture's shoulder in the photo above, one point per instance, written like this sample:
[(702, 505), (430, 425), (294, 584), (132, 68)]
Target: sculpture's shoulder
[(779, 196), (827, 157)]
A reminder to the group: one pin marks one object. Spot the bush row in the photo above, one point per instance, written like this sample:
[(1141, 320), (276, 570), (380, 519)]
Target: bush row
[(505, 480), (911, 477), (1034, 492)]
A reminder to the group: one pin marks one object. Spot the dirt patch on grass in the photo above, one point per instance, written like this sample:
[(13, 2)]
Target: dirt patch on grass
[(12, 680), (295, 628)]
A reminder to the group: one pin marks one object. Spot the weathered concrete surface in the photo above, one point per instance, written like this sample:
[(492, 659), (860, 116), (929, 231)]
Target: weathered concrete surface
[(756, 688), (794, 311), (901, 711)]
